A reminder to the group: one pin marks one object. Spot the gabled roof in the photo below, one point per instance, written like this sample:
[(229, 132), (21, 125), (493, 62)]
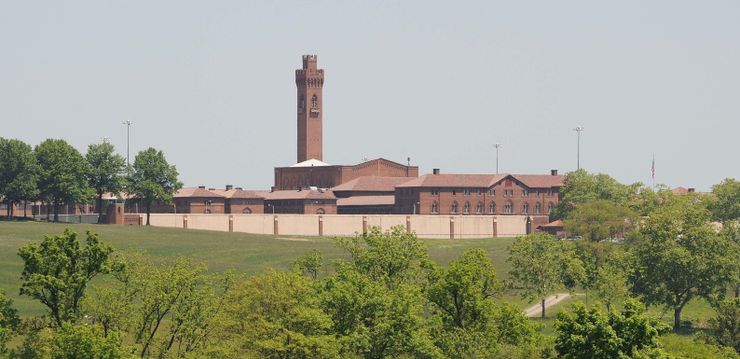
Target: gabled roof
[(311, 163), (237, 193), (367, 201), (294, 194), (196, 192), (541, 181), (453, 180), (371, 184)]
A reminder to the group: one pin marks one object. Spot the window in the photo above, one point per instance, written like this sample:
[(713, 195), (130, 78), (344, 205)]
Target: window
[(508, 193), (435, 207), (480, 192), (549, 193), (320, 211), (491, 192), (537, 208), (435, 192), (466, 208), (466, 192), (491, 208), (479, 208), (453, 207), (549, 207), (454, 193), (302, 106), (509, 208), (247, 210), (525, 208), (314, 101), (525, 193)]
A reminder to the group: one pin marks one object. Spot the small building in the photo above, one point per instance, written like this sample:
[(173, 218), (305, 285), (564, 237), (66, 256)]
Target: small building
[(240, 201), (196, 200), (367, 195), (303, 201)]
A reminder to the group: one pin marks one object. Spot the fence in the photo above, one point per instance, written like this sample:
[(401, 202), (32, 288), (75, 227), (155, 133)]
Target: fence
[(71, 218), (425, 226)]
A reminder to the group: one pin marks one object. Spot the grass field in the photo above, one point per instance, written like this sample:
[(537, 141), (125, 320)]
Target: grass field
[(248, 253)]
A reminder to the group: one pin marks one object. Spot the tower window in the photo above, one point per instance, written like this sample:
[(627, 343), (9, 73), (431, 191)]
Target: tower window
[(314, 102)]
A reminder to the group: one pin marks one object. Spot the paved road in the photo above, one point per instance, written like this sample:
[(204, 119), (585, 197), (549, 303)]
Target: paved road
[(536, 310)]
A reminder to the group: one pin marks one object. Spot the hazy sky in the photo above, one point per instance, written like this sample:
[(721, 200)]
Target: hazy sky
[(212, 83)]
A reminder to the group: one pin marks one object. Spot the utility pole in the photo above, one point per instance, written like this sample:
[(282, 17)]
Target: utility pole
[(128, 124), (579, 129), (497, 146)]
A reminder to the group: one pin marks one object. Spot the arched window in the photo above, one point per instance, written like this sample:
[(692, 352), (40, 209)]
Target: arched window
[(320, 211), (315, 101), (549, 207), (509, 208), (525, 208), (537, 208), (435, 207), (491, 208), (479, 208), (453, 207), (303, 103), (466, 208), (247, 210)]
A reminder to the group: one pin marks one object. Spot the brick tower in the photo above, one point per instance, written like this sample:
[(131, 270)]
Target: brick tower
[(310, 83)]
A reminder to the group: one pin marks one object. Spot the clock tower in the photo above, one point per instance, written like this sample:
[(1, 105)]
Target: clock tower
[(309, 81)]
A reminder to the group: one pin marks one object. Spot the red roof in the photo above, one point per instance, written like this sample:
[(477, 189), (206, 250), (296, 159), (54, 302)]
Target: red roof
[(483, 180), (196, 192), (237, 193), (371, 184), (554, 224), (367, 201), (294, 194)]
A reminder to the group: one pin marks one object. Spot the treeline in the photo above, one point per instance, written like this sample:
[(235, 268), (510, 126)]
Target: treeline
[(56, 174)]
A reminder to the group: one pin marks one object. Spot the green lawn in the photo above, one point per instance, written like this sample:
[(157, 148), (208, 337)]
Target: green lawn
[(247, 253)]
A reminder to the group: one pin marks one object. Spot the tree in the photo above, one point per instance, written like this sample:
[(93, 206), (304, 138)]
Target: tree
[(62, 176), (85, 342), (9, 321), (612, 283), (105, 172), (277, 315), (582, 187), (310, 264), (726, 203), (18, 172), (599, 219), (152, 179), (57, 271), (725, 327), (679, 256), (590, 333), (461, 297), (542, 264)]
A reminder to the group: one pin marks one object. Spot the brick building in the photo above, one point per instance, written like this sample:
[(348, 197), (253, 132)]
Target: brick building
[(367, 195), (304, 201), (480, 194)]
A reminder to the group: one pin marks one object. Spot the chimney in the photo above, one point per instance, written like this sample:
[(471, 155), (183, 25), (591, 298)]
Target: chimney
[(239, 189), (691, 190), (202, 187), (229, 187), (553, 172), (272, 189), (435, 171)]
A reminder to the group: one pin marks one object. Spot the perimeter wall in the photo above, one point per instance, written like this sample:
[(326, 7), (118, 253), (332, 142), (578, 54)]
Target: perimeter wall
[(425, 226)]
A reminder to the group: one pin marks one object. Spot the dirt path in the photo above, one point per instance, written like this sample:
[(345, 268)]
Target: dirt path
[(536, 310)]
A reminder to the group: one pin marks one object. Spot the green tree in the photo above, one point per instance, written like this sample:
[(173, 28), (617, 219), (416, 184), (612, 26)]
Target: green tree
[(62, 177), (18, 173), (461, 296), (599, 219), (276, 315), (85, 342), (725, 206), (105, 172), (9, 322), (582, 187), (590, 333), (542, 264), (57, 271), (152, 179), (310, 264), (611, 284), (679, 256), (725, 327)]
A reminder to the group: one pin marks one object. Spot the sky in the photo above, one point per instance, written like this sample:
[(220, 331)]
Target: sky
[(211, 83)]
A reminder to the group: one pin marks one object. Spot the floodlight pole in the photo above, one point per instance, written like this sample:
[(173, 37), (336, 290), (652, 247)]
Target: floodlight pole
[(578, 129), (497, 146), (128, 124)]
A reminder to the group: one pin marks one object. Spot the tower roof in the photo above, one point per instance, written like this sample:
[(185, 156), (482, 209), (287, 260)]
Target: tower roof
[(310, 163)]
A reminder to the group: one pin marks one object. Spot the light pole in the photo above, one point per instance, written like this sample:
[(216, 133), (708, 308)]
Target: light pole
[(579, 129), (497, 146), (128, 124)]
